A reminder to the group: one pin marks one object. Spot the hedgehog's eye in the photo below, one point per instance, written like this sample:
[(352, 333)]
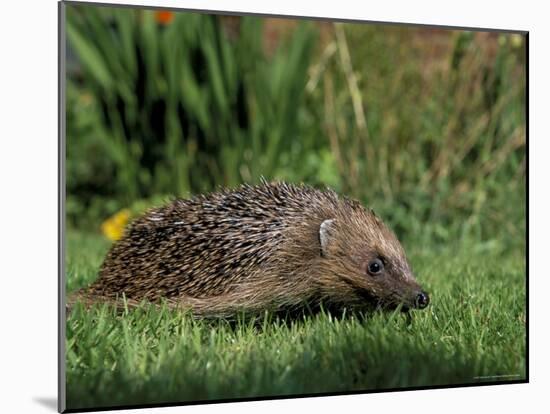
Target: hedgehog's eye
[(375, 267)]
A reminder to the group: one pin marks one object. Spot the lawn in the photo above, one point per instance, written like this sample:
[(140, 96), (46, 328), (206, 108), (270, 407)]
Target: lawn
[(472, 332)]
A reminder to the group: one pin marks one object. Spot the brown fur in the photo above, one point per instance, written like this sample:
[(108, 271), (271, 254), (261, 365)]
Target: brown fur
[(253, 249)]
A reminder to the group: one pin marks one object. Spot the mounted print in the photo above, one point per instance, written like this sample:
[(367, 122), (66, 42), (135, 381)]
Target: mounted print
[(259, 207)]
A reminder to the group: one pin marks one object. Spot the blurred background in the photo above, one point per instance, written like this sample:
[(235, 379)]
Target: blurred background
[(426, 126)]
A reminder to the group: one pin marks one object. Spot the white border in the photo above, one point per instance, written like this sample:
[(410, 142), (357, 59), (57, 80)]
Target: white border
[(28, 162)]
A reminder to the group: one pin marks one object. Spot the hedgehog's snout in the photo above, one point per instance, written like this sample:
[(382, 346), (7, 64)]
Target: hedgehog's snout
[(422, 300)]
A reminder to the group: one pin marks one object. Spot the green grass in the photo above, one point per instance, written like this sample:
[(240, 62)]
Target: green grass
[(474, 327)]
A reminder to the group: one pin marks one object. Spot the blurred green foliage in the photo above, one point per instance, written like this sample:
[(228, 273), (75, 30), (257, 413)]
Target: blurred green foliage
[(433, 139)]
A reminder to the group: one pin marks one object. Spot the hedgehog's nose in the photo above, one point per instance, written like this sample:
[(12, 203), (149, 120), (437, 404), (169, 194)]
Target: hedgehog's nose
[(422, 300)]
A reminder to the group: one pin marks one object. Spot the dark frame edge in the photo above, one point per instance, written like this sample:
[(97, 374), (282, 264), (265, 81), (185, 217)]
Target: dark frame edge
[(61, 56), (527, 206), (293, 396)]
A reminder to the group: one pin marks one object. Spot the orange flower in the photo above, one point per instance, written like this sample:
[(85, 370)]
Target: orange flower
[(164, 17)]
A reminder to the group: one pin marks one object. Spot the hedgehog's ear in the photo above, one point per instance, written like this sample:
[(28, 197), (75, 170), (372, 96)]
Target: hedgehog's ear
[(325, 235)]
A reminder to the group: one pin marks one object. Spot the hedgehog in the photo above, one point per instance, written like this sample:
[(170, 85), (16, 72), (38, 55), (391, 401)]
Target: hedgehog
[(269, 247)]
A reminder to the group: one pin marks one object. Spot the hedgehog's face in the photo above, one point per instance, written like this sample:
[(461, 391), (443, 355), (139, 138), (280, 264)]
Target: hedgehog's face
[(369, 265), (388, 280)]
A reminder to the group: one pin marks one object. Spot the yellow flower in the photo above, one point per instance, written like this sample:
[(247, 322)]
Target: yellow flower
[(113, 227), (517, 40)]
